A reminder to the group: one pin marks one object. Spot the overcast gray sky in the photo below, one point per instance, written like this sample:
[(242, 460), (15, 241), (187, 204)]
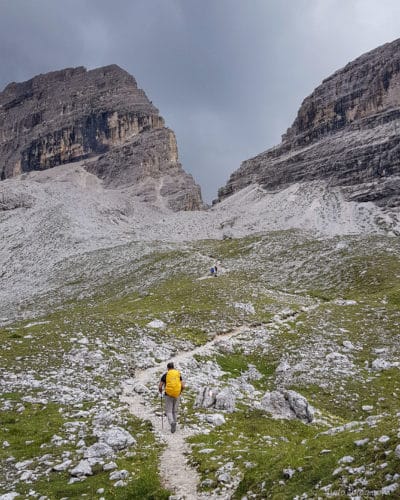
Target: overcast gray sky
[(228, 76)]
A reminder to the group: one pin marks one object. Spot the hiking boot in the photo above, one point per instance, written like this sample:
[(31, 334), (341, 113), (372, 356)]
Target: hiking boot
[(173, 427)]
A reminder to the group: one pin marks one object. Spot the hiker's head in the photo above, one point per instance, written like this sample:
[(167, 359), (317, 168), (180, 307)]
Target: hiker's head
[(170, 365)]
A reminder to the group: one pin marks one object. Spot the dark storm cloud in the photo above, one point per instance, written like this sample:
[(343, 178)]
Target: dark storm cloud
[(227, 75)]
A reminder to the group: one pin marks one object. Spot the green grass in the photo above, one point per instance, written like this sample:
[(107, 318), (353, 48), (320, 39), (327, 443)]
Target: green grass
[(237, 363), (283, 270), (227, 249), (36, 424), (274, 445), (39, 423), (143, 483), (371, 279)]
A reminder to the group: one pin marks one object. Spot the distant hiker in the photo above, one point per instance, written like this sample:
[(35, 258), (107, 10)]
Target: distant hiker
[(173, 385), (215, 269)]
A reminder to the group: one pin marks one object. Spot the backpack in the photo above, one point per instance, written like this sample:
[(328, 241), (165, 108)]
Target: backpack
[(173, 384)]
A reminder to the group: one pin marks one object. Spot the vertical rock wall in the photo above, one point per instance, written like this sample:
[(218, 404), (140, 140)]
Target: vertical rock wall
[(67, 115), (346, 133), (73, 114)]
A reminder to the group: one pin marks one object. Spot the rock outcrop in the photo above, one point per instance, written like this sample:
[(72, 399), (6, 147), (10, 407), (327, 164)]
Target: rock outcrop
[(347, 133), (287, 404), (75, 114)]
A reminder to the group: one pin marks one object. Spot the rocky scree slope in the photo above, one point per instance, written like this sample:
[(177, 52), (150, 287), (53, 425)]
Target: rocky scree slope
[(346, 133), (62, 228), (72, 114)]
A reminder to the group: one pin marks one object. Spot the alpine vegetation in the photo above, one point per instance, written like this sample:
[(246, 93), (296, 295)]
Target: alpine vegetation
[(129, 369)]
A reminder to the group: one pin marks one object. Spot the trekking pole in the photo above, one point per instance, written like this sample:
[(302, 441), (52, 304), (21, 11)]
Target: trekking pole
[(162, 413), (184, 413)]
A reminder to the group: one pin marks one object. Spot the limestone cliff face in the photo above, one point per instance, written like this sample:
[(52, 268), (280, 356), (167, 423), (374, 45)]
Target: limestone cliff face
[(346, 132), (149, 163), (73, 114), (66, 115)]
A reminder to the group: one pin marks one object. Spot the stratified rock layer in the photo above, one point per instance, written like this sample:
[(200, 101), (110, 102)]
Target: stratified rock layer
[(67, 115), (74, 114), (150, 164), (347, 132)]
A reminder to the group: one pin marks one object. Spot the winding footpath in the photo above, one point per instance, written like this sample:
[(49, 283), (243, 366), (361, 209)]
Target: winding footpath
[(176, 473)]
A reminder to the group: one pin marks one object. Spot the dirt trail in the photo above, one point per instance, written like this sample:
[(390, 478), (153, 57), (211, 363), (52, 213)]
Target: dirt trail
[(177, 475)]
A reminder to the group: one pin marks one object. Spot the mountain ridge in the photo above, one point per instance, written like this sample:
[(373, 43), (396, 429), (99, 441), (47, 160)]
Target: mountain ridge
[(347, 132)]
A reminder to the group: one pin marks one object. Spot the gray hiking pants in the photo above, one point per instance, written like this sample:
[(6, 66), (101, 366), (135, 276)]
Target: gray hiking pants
[(171, 409)]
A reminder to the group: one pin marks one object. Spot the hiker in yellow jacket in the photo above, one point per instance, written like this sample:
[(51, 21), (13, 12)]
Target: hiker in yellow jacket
[(173, 385)]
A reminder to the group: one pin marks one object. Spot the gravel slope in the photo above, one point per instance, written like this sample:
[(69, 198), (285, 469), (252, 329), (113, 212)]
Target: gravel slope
[(49, 217)]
